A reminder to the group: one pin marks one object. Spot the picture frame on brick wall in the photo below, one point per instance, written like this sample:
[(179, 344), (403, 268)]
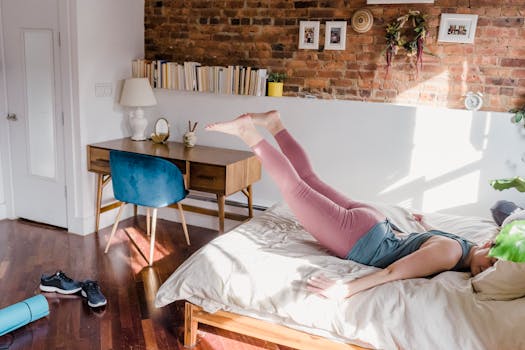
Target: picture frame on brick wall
[(309, 35), (335, 35), (457, 28)]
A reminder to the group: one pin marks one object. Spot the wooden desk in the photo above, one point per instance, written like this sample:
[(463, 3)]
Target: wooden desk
[(208, 169)]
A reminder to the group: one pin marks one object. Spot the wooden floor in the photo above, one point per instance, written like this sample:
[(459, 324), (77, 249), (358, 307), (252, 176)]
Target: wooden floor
[(130, 320)]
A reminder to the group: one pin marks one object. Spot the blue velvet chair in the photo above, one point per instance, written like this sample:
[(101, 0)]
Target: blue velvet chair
[(146, 181)]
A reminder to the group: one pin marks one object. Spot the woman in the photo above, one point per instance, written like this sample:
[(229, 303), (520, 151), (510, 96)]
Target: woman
[(350, 229)]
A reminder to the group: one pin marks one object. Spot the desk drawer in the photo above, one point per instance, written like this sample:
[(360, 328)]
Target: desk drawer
[(98, 159), (207, 178)]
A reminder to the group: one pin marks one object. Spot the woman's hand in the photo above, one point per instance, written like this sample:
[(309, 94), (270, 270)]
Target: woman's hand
[(420, 219), (328, 288)]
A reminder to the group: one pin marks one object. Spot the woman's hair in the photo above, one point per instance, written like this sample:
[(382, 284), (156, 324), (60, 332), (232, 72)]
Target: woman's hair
[(502, 209)]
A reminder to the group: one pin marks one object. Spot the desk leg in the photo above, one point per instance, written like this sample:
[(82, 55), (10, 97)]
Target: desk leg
[(100, 185), (248, 193), (250, 201), (221, 201)]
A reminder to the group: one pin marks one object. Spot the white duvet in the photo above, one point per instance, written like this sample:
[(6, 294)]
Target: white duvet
[(259, 270)]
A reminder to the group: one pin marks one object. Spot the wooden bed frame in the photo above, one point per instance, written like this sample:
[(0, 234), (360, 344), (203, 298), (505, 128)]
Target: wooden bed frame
[(193, 315)]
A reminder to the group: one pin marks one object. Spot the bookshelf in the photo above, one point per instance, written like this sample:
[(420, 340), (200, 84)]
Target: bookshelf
[(192, 76)]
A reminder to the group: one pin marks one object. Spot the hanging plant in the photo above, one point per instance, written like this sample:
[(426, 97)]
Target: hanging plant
[(413, 40)]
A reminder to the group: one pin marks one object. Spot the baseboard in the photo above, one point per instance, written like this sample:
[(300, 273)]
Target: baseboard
[(3, 211), (85, 226), (207, 221)]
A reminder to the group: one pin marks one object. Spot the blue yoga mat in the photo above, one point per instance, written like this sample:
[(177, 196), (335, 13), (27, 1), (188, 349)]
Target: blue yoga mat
[(20, 314)]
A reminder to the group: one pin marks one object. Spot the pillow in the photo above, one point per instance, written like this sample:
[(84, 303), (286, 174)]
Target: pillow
[(516, 215), (503, 281)]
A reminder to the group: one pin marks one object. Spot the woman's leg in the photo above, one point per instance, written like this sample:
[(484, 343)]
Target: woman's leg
[(295, 153), (335, 227)]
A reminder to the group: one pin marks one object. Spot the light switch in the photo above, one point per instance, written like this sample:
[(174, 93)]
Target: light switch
[(103, 89)]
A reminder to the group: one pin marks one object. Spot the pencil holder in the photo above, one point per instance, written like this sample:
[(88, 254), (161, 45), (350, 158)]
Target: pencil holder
[(190, 139)]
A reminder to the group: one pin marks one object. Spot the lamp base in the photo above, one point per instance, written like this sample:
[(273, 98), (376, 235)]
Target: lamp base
[(138, 125)]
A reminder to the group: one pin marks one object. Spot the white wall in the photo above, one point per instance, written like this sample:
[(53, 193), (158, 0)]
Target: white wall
[(109, 35), (5, 179), (431, 159), (427, 158)]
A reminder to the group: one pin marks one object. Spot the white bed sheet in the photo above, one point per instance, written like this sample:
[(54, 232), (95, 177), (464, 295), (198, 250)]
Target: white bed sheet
[(259, 269)]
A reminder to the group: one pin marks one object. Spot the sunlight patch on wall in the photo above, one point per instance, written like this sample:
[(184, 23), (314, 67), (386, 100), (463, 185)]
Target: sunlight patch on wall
[(428, 91), (454, 193), (444, 167), (442, 144)]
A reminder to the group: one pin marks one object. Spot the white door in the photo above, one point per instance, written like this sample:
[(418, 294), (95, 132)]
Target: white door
[(31, 48)]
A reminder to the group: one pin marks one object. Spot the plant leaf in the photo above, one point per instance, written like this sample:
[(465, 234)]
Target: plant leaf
[(518, 116), (502, 184), (510, 242)]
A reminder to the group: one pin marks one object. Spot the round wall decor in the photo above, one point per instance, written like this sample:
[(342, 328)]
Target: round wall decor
[(362, 20), (473, 101)]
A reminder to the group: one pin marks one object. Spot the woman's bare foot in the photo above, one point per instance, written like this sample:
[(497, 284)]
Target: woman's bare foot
[(271, 120), (241, 126)]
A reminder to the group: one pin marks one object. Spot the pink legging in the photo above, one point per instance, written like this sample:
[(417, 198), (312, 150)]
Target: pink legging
[(336, 221)]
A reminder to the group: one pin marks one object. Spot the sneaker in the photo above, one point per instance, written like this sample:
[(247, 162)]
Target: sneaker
[(91, 291), (59, 282)]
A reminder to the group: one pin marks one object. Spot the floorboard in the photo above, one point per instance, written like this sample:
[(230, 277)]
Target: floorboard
[(130, 320)]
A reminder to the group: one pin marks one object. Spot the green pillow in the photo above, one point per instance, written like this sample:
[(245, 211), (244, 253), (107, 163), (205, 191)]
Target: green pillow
[(510, 242)]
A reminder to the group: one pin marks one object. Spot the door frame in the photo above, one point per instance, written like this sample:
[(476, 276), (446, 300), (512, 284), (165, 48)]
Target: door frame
[(71, 132)]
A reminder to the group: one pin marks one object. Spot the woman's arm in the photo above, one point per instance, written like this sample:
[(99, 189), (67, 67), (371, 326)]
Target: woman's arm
[(435, 255)]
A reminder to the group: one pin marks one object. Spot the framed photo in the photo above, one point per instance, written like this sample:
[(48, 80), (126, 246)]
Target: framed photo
[(373, 2), (457, 28), (309, 35), (335, 35)]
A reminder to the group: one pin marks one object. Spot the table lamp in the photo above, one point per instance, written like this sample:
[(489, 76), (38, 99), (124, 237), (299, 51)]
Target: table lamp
[(137, 92)]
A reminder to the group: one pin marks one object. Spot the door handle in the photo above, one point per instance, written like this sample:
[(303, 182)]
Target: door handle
[(12, 116)]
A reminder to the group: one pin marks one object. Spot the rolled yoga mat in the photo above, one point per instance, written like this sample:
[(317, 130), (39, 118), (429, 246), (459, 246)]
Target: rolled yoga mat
[(20, 314)]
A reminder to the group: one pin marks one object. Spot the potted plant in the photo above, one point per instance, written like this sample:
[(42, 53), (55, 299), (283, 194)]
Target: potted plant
[(275, 84), (519, 115)]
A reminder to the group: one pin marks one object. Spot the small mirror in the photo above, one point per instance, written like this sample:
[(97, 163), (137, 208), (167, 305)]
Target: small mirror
[(161, 132)]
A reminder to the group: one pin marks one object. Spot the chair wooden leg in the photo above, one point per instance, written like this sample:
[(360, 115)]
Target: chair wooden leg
[(183, 221), (148, 221), (152, 239), (115, 225)]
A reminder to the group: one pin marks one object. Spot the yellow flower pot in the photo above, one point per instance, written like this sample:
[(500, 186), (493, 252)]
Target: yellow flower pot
[(275, 89)]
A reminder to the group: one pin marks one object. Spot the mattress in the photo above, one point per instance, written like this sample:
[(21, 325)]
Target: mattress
[(259, 270)]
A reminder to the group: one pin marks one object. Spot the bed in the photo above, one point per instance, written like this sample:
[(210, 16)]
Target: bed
[(251, 281)]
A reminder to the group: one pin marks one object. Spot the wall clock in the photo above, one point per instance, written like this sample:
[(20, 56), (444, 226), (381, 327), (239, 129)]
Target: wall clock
[(473, 101)]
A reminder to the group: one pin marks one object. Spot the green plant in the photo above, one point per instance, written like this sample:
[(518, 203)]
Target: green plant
[(502, 184), (276, 77), (519, 115)]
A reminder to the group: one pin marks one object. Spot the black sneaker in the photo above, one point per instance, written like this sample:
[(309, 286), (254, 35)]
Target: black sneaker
[(91, 291), (59, 283)]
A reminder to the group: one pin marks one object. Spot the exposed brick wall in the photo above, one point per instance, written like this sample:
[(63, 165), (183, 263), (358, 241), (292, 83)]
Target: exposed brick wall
[(265, 34)]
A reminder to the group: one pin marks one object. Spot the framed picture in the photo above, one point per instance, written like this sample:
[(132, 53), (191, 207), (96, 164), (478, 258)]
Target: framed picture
[(457, 28), (373, 2), (335, 35), (309, 35)]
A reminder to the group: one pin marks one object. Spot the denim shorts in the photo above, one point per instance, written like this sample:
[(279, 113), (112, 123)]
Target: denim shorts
[(380, 247)]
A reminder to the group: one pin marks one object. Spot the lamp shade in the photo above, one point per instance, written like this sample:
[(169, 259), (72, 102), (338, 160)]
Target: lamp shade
[(137, 92)]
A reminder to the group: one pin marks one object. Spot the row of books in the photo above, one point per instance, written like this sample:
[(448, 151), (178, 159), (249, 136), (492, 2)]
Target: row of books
[(192, 76)]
